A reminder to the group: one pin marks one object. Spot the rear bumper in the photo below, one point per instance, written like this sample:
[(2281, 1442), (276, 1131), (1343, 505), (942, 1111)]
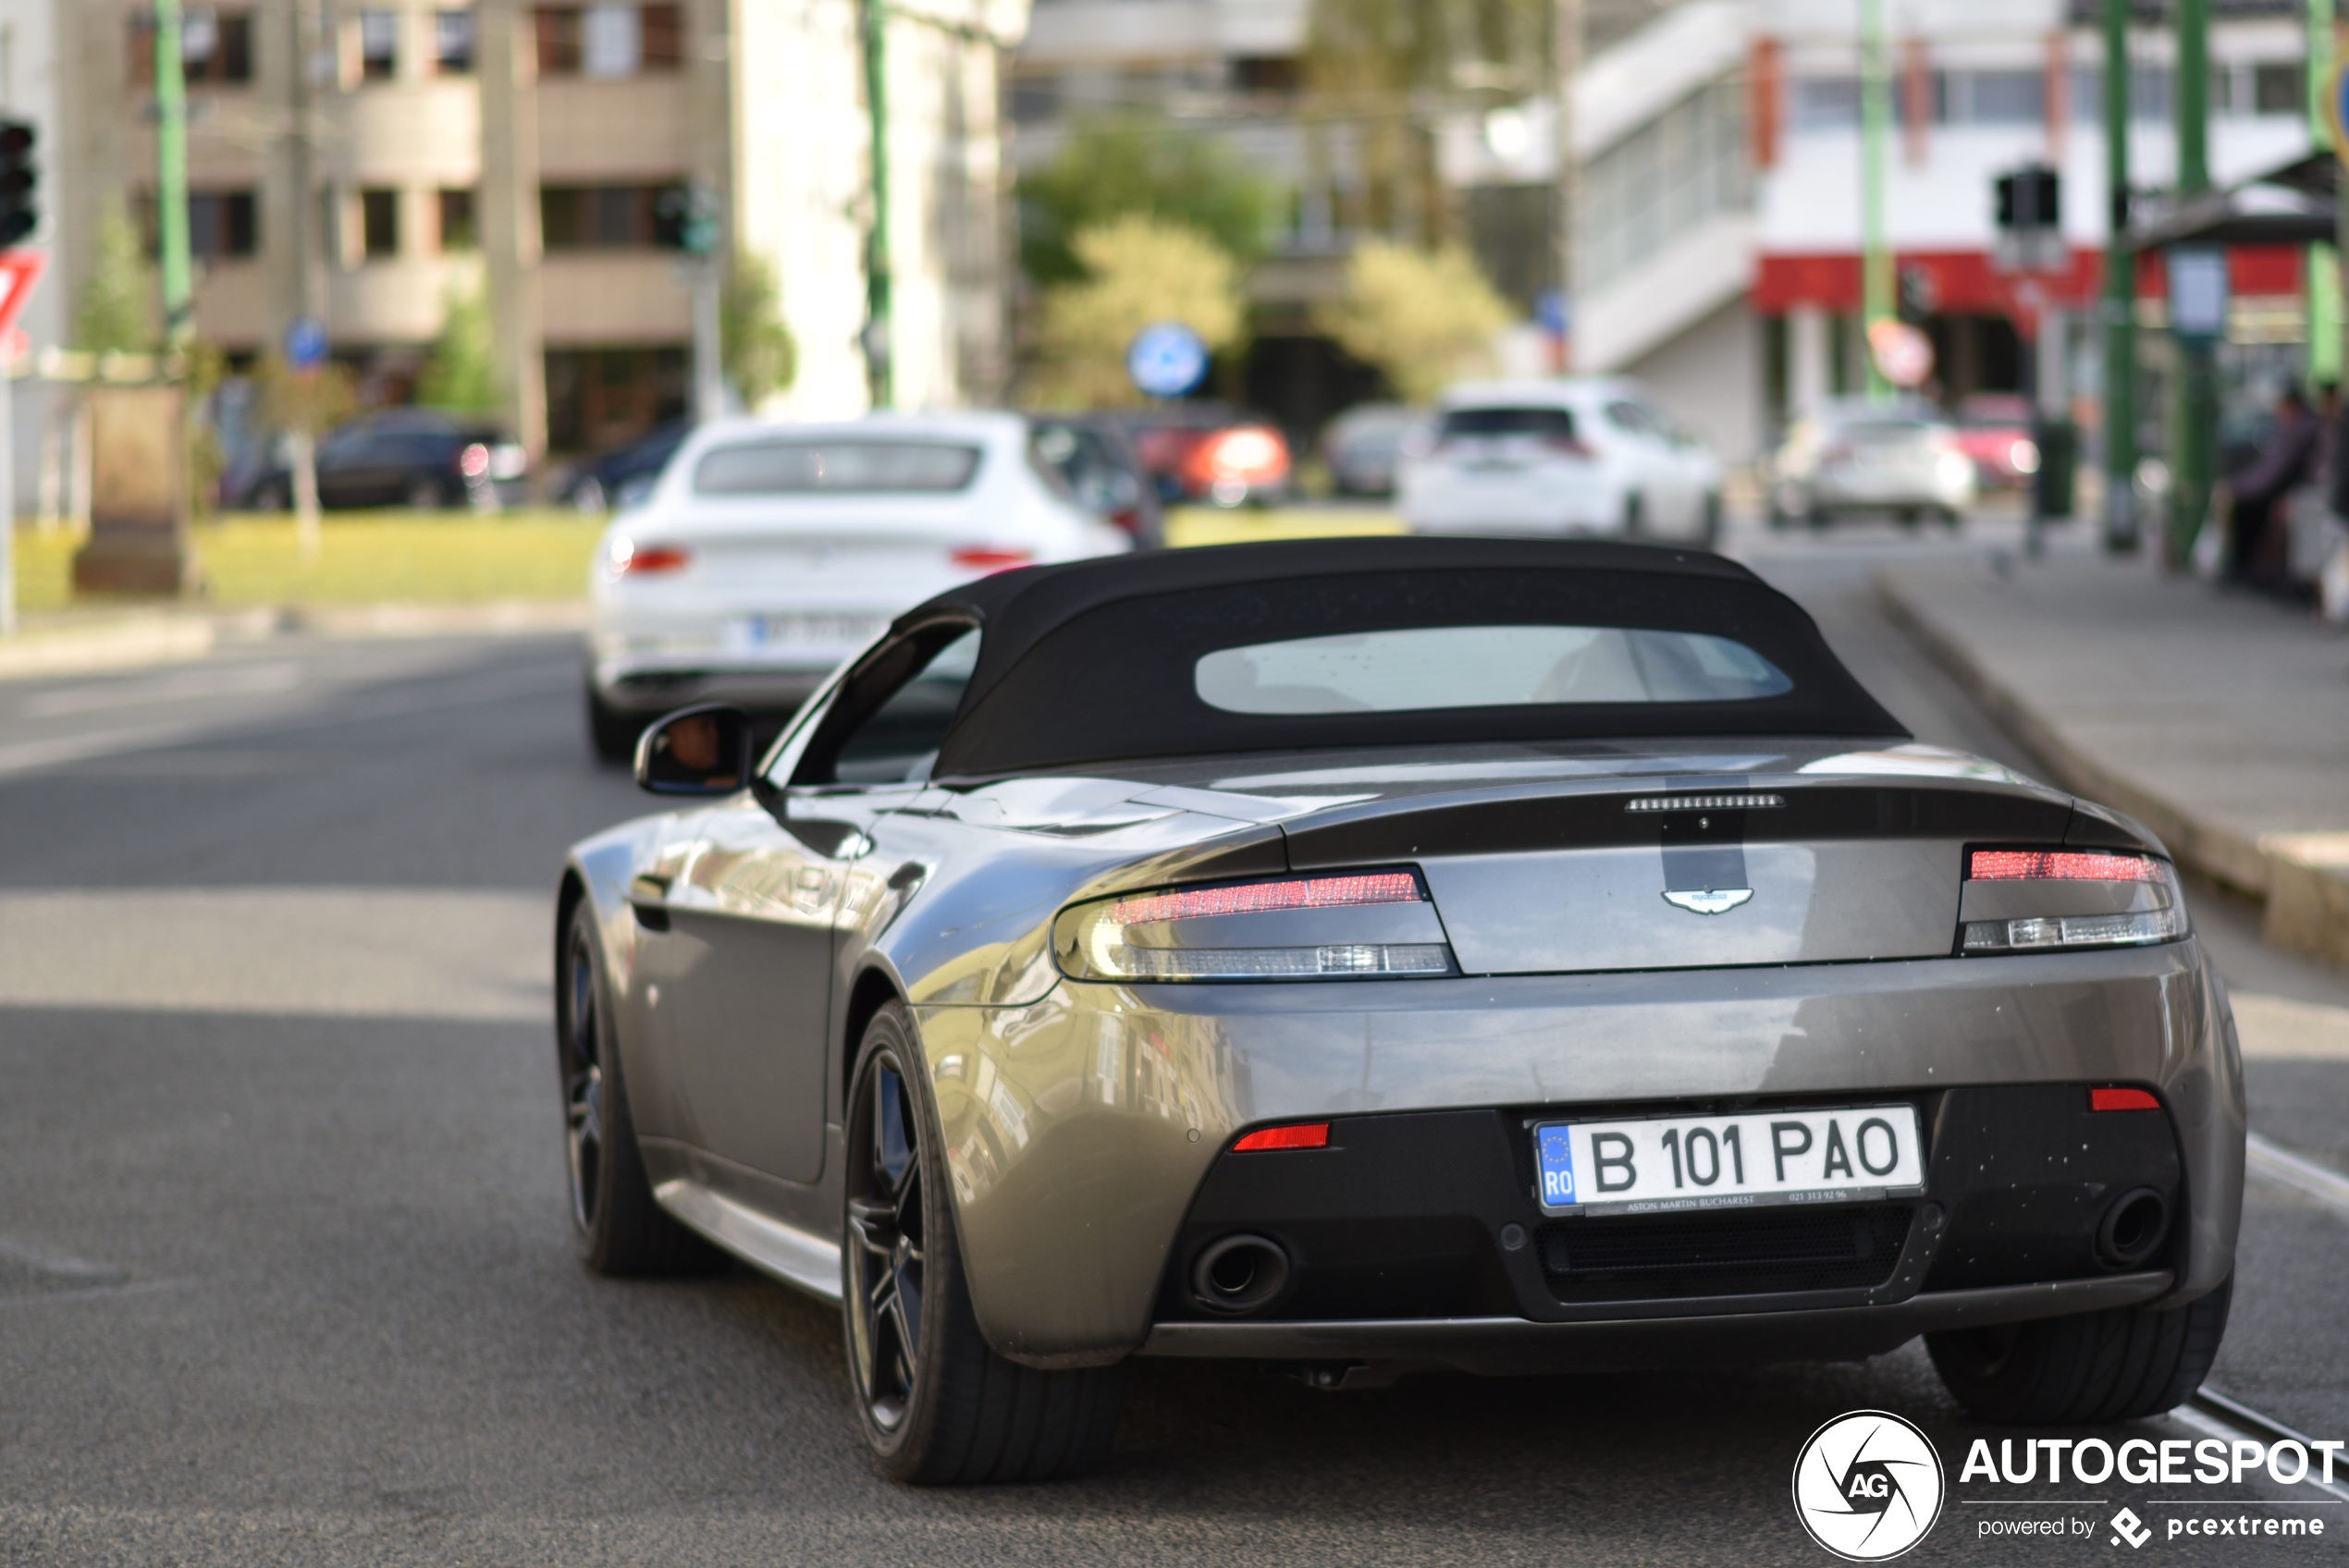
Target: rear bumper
[(1506, 1347), (1082, 1128)]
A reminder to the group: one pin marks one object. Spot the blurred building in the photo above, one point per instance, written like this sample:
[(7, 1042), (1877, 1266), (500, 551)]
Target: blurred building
[(1718, 252), (367, 161)]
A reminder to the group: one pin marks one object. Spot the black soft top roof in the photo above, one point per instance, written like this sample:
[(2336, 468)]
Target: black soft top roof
[(1091, 661)]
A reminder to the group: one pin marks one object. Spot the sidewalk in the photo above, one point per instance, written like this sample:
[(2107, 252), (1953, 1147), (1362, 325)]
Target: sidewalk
[(90, 641), (2219, 720)]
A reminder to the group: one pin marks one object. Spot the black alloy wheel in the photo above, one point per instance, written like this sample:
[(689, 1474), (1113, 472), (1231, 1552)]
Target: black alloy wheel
[(621, 1228), (938, 1405), (885, 1254)]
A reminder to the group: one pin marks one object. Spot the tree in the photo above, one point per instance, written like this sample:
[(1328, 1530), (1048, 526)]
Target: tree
[(119, 309), (1421, 317), (305, 404), (460, 372), (1138, 270), (1112, 166), (1377, 70), (756, 349)]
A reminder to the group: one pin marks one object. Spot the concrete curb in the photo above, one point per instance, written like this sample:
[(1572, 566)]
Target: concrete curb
[(2302, 877), (150, 637)]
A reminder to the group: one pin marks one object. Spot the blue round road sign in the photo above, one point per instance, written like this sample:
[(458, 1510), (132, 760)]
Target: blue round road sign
[(306, 343), (1166, 359)]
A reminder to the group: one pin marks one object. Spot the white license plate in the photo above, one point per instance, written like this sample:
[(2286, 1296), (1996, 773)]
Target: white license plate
[(805, 630), (1672, 1162)]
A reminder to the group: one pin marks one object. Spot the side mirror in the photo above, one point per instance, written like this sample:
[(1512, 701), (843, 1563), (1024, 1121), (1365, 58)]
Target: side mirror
[(703, 751)]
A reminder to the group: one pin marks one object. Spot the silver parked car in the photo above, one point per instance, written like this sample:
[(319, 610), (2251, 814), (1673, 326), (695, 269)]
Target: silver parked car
[(1518, 956), (1903, 460)]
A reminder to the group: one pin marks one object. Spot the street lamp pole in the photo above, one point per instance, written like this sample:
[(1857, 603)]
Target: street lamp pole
[(1876, 283), (2193, 438), (2119, 295), (880, 351)]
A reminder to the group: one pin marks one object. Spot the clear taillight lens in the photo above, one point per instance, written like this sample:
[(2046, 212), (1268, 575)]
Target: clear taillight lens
[(1354, 925), (2037, 900)]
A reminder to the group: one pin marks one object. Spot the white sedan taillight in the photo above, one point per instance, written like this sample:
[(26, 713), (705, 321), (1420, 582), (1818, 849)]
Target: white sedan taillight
[(1354, 926), (2025, 900)]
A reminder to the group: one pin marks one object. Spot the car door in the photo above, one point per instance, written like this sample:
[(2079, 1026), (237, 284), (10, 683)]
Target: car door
[(344, 462), (746, 967)]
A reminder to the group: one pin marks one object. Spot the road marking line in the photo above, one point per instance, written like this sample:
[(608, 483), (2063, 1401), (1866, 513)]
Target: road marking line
[(2213, 1413), (2281, 1166)]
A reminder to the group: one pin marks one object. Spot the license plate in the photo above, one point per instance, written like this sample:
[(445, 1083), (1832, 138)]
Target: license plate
[(1661, 1163), (805, 631)]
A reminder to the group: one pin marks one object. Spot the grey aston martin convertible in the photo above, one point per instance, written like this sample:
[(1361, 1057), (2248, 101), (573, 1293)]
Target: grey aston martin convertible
[(1514, 956)]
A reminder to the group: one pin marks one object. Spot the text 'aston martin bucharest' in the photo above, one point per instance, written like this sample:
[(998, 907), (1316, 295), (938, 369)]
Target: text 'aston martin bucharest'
[(1515, 956)]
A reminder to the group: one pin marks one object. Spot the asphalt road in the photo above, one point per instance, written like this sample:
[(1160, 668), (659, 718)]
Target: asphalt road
[(284, 1274)]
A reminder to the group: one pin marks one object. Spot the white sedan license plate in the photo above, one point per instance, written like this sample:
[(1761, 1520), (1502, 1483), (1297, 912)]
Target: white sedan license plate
[(805, 630), (1673, 1162)]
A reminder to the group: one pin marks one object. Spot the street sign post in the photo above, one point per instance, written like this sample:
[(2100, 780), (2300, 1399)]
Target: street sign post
[(19, 270), (1166, 359)]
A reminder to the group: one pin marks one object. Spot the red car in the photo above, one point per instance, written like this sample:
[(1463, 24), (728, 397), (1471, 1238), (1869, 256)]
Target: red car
[(1993, 429), (1197, 452)]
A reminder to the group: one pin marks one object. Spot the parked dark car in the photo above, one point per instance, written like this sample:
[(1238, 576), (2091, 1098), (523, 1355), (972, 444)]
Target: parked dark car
[(397, 458), (626, 474), (1103, 471)]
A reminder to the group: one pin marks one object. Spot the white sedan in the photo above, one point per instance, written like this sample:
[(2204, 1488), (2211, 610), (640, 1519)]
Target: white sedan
[(769, 553), (1570, 455)]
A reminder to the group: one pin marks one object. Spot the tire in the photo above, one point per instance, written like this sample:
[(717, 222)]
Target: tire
[(1634, 515), (1709, 528), (275, 496), (611, 733), (424, 495), (938, 1406), (620, 1227), (2120, 1364)]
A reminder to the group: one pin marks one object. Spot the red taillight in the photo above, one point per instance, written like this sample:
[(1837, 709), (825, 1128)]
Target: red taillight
[(1256, 898), (473, 462), (2058, 865), (1298, 1135), (2122, 1099), (1130, 520), (1566, 447), (628, 558), (987, 558)]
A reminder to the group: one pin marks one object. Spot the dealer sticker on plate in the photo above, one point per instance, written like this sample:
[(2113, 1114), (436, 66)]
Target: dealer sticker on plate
[(1668, 1162)]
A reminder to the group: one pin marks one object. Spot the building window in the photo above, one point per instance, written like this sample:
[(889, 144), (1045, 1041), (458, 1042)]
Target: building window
[(452, 42), (1663, 180), (458, 226), (378, 45), (378, 224), (609, 217), (2279, 87), (1268, 73), (1989, 97), (1825, 103), (609, 40), (215, 48), (222, 225)]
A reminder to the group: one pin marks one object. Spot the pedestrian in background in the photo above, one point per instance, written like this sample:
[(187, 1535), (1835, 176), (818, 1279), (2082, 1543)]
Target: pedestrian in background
[(2286, 460)]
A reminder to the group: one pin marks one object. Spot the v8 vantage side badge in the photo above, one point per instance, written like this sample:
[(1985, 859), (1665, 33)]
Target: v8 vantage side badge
[(1709, 901)]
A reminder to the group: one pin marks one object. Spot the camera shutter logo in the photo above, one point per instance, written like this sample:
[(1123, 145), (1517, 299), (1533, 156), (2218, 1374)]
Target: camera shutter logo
[(1868, 1486)]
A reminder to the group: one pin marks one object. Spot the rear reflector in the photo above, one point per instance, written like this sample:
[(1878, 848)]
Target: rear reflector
[(988, 559), (1316, 1135), (1257, 897), (2122, 1099), (2060, 865)]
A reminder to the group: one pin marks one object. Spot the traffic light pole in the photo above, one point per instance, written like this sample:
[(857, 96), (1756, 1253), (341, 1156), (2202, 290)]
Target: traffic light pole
[(1876, 282), (171, 177), (880, 351), (2194, 418), (2119, 295)]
